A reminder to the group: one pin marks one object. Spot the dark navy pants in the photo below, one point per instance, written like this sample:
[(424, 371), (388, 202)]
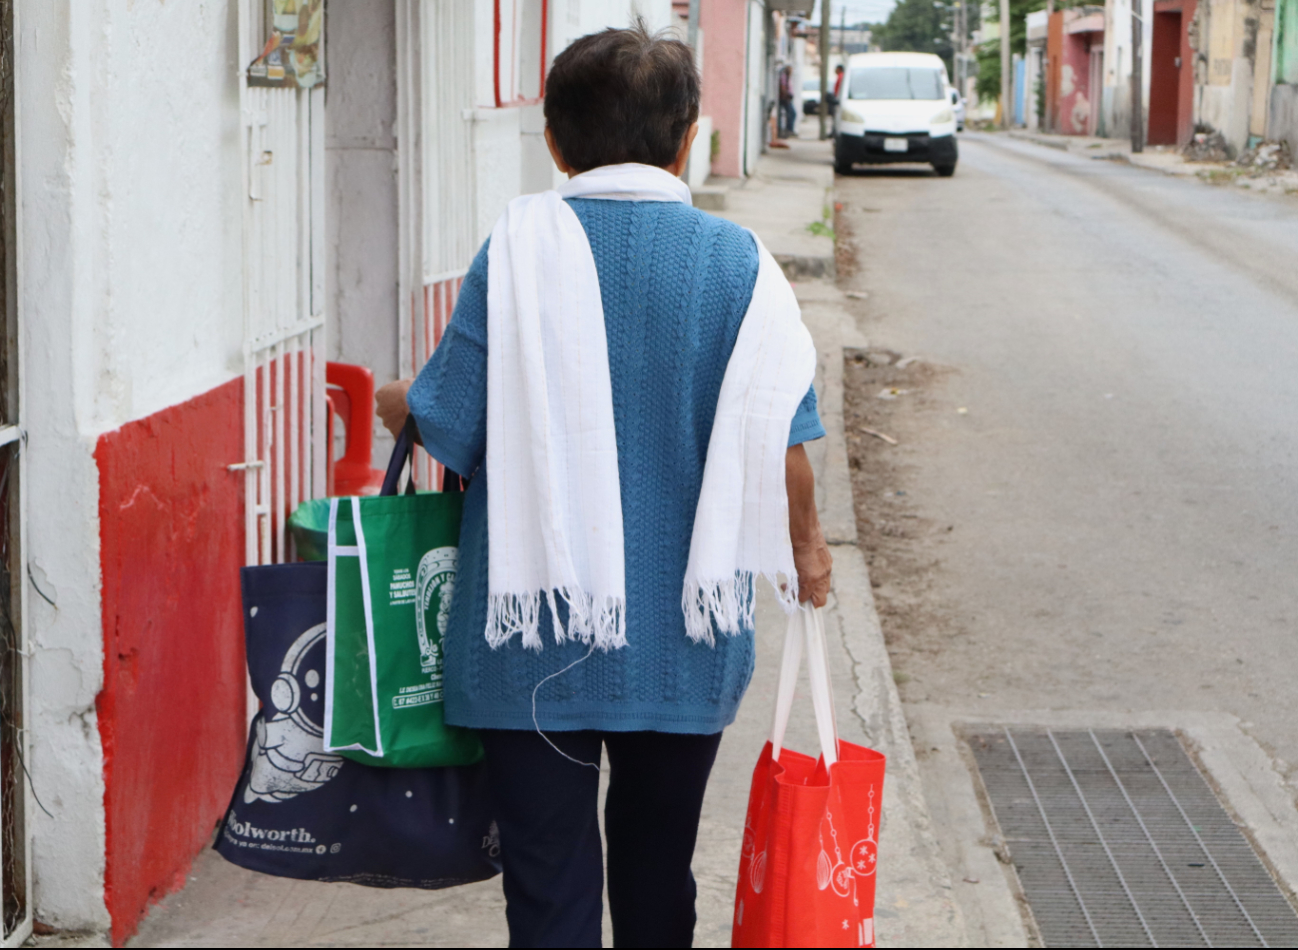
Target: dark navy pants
[(546, 809)]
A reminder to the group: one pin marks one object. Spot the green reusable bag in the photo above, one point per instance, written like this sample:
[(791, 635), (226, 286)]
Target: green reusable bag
[(309, 526), (392, 565)]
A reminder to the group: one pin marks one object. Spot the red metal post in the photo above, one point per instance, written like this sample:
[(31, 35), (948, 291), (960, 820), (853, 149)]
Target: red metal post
[(495, 52), (545, 29)]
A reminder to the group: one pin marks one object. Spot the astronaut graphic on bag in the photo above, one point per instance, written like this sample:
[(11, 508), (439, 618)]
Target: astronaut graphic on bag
[(288, 756)]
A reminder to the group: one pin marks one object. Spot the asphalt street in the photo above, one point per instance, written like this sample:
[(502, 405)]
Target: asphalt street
[(1122, 487)]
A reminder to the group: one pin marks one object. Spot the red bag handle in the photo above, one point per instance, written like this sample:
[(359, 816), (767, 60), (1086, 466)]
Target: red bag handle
[(806, 626)]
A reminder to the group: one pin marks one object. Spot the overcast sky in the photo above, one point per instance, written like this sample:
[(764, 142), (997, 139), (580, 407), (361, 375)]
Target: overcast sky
[(858, 11)]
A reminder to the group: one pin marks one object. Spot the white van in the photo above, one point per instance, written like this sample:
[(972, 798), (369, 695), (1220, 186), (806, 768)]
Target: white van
[(896, 107)]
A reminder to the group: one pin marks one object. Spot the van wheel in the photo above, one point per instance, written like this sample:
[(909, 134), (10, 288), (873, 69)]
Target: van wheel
[(842, 165), (945, 171)]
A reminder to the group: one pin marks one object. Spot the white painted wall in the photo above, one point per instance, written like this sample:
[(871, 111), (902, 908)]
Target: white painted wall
[(153, 148), (499, 166), (483, 54), (129, 271), (1227, 99), (1115, 103), (537, 170), (1226, 102), (580, 17), (1226, 107), (699, 166)]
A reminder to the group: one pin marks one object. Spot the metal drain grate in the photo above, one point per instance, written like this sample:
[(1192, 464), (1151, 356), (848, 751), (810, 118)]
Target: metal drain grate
[(1119, 842)]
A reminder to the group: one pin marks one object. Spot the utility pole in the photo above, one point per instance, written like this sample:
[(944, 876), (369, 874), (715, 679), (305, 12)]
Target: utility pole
[(1007, 80), (1045, 65), (842, 36), (692, 31), (1137, 81), (959, 45), (825, 14)]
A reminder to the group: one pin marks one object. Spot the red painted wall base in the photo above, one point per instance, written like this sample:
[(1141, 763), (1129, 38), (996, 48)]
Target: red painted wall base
[(171, 713)]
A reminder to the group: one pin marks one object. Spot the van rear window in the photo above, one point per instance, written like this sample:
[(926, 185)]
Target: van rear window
[(895, 82)]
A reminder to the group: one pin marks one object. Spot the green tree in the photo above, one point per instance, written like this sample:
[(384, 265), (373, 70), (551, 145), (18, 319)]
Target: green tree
[(918, 26), (989, 53)]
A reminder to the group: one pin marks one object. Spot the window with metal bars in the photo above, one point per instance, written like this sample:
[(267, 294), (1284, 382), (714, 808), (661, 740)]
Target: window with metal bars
[(519, 53)]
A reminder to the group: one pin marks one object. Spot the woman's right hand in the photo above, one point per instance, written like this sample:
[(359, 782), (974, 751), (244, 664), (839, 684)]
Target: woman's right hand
[(811, 557), (390, 405), (815, 567)]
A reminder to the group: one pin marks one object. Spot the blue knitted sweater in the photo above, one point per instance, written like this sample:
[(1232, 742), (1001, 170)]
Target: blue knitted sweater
[(675, 285)]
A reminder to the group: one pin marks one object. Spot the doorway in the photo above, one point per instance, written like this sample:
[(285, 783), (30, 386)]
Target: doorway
[(1164, 78), (1095, 83)]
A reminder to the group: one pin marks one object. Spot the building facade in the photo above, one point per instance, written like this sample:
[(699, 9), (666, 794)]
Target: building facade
[(1213, 66), (1283, 100), (1075, 71)]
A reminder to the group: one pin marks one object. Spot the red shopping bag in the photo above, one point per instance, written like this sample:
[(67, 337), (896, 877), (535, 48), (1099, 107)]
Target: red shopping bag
[(807, 869)]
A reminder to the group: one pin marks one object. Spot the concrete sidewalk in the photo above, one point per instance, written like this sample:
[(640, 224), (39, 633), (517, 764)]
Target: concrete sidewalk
[(1164, 158), (1168, 160), (222, 905)]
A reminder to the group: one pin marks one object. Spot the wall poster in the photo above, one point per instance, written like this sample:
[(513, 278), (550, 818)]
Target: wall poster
[(294, 52)]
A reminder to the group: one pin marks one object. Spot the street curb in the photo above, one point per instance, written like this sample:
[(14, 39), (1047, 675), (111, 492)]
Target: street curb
[(829, 323), (68, 939), (1038, 140), (1114, 152), (915, 904), (805, 266)]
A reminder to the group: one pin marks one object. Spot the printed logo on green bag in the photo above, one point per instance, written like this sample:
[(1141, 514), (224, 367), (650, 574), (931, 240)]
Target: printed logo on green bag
[(435, 579), (430, 592)]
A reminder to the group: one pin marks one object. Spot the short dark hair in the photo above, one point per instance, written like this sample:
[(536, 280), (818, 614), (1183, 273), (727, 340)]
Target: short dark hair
[(621, 96)]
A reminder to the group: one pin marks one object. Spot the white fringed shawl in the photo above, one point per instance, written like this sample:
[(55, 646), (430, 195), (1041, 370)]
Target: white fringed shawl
[(554, 510)]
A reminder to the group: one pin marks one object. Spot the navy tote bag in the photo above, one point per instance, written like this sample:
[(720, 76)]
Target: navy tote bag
[(301, 812)]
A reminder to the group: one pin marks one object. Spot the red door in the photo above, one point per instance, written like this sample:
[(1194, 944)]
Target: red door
[(1164, 78)]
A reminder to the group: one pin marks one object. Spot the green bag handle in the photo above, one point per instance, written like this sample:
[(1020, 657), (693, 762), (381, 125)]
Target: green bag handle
[(358, 551)]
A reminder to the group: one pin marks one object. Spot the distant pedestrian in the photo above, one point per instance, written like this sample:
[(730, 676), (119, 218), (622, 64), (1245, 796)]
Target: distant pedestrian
[(838, 88), (626, 380), (788, 113)]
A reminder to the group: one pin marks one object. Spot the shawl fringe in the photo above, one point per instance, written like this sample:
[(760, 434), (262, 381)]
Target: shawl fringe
[(729, 604), (603, 624)]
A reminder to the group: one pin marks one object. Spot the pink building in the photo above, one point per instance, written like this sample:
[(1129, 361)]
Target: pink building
[(1075, 70), (725, 27)]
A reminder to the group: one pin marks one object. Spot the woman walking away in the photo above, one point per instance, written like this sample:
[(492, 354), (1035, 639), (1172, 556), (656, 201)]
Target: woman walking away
[(627, 381)]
